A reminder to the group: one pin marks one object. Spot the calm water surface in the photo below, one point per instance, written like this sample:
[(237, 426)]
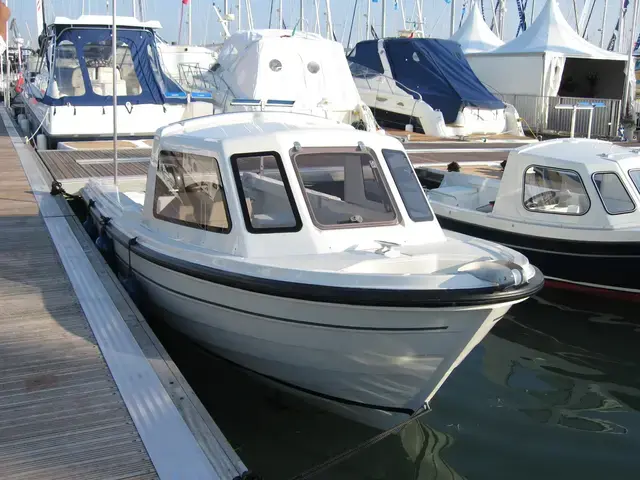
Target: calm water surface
[(553, 392)]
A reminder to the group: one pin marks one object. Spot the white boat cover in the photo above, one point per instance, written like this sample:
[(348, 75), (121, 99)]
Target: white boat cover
[(287, 65), (475, 35)]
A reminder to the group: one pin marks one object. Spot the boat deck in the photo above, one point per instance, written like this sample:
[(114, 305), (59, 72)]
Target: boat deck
[(73, 168), (413, 137), (86, 389)]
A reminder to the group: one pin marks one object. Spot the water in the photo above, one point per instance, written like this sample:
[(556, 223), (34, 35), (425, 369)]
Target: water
[(552, 392)]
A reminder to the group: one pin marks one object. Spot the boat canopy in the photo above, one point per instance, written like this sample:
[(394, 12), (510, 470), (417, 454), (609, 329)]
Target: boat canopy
[(434, 68), (82, 73)]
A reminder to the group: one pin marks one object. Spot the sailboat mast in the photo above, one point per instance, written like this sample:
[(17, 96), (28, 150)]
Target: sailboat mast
[(302, 15), (383, 29), (190, 40), (327, 5), (368, 26), (452, 28)]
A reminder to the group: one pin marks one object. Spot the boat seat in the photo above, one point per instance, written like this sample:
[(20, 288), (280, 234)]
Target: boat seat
[(103, 83)]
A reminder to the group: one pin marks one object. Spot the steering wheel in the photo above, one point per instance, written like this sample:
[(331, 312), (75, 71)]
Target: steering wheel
[(548, 197), (205, 187)]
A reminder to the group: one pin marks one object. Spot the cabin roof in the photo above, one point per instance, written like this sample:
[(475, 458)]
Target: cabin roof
[(105, 20), (580, 151), (255, 131)]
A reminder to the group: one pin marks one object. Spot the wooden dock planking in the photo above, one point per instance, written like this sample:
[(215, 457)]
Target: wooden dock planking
[(61, 415)]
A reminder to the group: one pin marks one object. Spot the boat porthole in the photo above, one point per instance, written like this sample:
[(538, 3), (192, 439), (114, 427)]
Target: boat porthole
[(313, 67), (275, 65)]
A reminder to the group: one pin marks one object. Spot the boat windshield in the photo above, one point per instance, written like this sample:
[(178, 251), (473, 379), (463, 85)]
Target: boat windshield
[(635, 178), (344, 188), (411, 192)]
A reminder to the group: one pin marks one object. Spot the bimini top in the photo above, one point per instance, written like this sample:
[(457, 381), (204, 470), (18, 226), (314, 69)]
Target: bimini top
[(437, 69), (104, 20), (82, 71)]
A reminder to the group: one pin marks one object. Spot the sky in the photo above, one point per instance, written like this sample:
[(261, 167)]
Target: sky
[(206, 28)]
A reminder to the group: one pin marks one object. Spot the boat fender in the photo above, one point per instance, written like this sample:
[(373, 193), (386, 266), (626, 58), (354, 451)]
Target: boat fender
[(129, 107), (90, 227)]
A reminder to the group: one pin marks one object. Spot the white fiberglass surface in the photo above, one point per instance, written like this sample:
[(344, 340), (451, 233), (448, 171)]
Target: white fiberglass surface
[(137, 197)]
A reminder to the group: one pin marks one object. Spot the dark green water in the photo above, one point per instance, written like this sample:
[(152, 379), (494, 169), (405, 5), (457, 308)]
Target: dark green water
[(553, 392)]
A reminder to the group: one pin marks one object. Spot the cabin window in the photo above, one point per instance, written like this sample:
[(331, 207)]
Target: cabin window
[(344, 188), (189, 192), (100, 69), (553, 190), (67, 74), (265, 194), (635, 178), (411, 192), (614, 196)]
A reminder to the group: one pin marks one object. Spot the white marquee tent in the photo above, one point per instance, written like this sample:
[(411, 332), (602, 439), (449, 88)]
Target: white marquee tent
[(551, 59), (474, 35)]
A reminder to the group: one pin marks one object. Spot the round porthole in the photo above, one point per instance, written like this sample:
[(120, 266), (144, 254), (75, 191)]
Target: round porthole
[(275, 65), (313, 67), (415, 57)]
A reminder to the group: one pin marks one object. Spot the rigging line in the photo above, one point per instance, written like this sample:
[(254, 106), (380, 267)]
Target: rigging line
[(353, 17)]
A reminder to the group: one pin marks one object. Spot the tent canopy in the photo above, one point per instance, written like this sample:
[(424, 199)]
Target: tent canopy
[(438, 70), (474, 35), (551, 32)]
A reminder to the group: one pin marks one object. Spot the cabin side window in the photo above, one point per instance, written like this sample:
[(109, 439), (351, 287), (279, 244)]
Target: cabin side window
[(265, 194), (67, 74), (100, 69), (614, 196), (635, 178), (344, 188), (189, 192), (411, 192), (554, 190)]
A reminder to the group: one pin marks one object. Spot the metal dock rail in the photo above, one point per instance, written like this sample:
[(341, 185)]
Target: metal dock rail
[(86, 389)]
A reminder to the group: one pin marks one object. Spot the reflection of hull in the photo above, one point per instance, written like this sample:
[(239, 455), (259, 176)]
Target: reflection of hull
[(606, 268), (566, 381)]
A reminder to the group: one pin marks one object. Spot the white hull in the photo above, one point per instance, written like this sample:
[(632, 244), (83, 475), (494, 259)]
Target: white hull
[(356, 368), (92, 122), (471, 121)]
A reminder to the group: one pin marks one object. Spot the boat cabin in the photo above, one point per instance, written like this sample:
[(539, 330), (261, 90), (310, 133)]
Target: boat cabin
[(568, 182), (255, 184)]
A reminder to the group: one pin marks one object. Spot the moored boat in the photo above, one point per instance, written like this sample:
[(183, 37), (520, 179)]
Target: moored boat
[(305, 251), (569, 205)]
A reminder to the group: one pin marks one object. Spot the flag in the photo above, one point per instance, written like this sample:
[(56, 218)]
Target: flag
[(374, 1), (185, 2)]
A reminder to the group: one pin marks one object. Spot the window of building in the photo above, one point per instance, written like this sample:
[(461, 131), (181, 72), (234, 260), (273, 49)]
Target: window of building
[(344, 188), (189, 192), (553, 190), (614, 196), (100, 69), (265, 193), (411, 192), (67, 74)]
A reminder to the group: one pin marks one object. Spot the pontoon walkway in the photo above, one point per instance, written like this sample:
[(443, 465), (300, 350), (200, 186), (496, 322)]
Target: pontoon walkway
[(86, 389)]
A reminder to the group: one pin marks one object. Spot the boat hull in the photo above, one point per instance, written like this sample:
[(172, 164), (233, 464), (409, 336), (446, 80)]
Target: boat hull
[(376, 365), (604, 268)]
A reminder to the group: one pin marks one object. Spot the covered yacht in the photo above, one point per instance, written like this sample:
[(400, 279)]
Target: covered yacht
[(70, 95)]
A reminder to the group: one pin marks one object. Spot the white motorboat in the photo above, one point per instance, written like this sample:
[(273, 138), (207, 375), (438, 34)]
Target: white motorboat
[(570, 205), (305, 251), (300, 67), (427, 85), (70, 97)]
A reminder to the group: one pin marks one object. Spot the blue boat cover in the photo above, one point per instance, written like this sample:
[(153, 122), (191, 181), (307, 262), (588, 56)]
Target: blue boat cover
[(437, 69), (156, 86)]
